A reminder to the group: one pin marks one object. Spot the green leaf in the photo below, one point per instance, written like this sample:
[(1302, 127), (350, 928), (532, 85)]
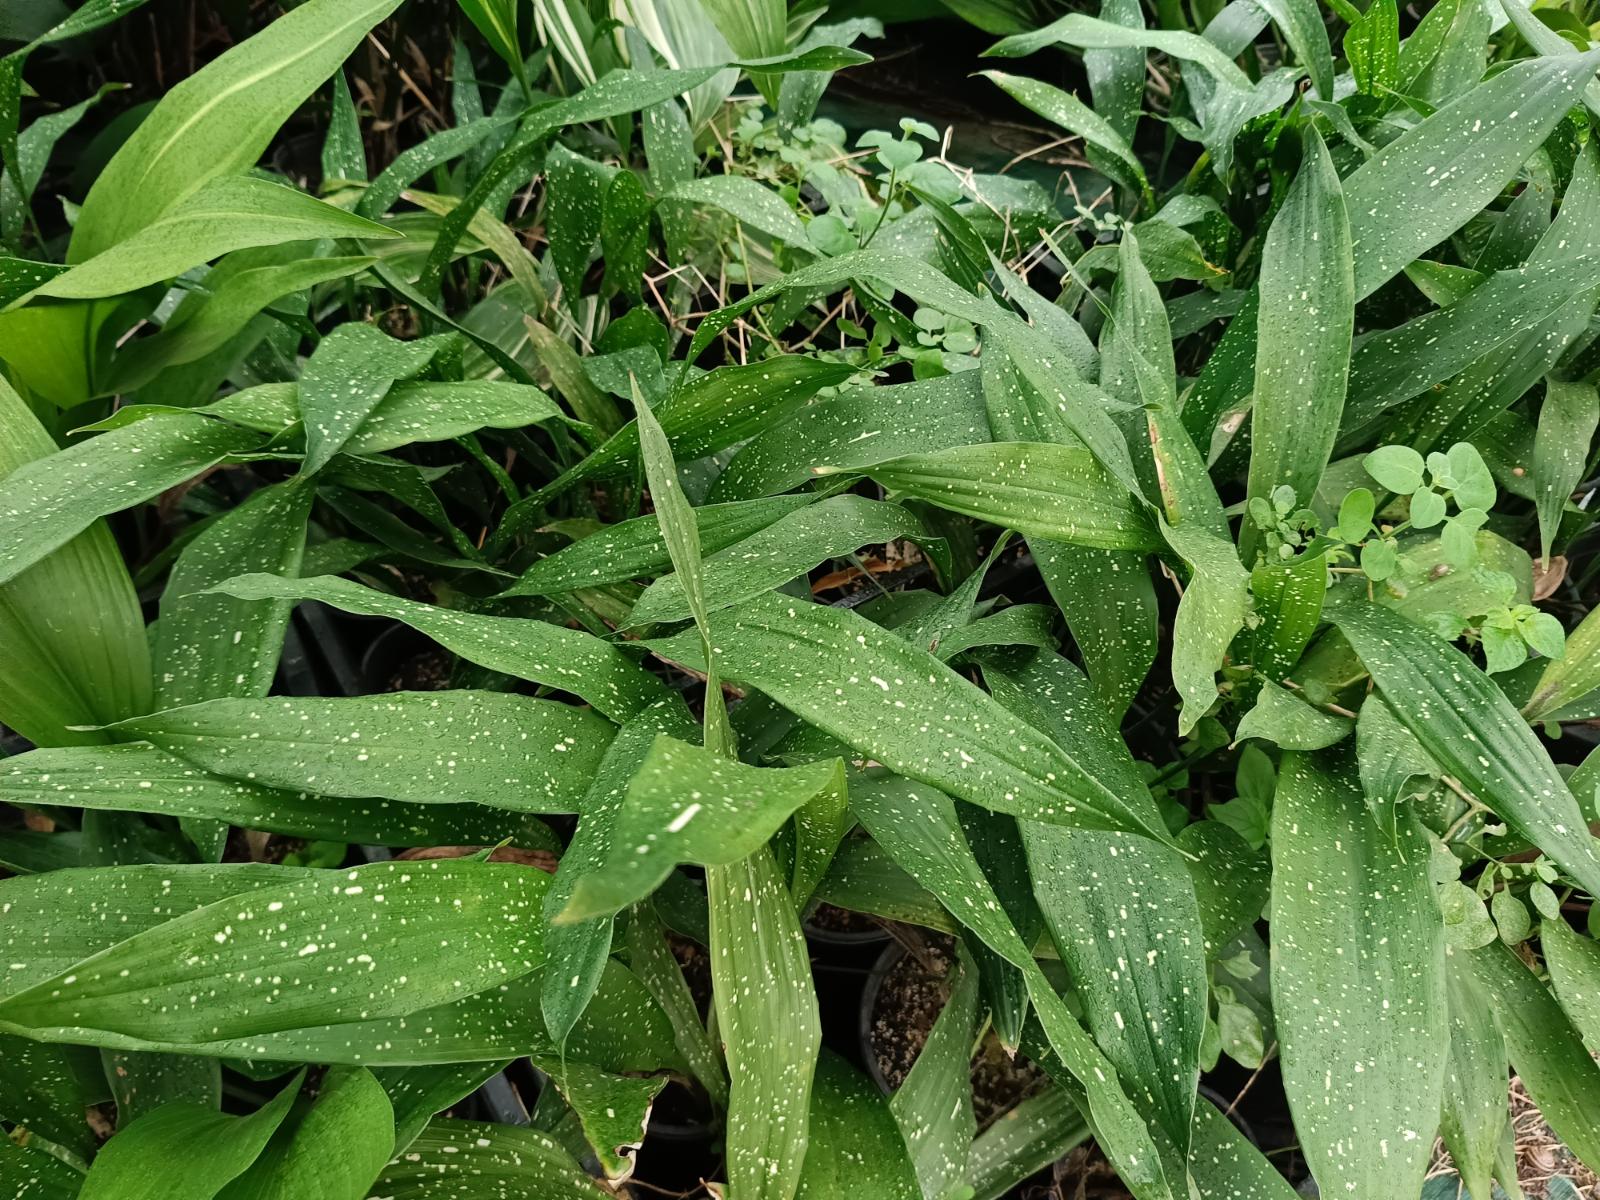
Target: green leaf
[(1466, 723), (470, 1161), (454, 747), (1546, 1051), (343, 156), (933, 1106), (1075, 117), (1284, 719), (538, 651), (156, 1156), (219, 120), (206, 645), (902, 707), (1567, 421), (854, 429), (1303, 332), (1303, 28), (47, 1090), (787, 549), (1032, 1136), (1390, 758), (1076, 29), (918, 828), (142, 1083), (1109, 601), (141, 778), (332, 1148), (35, 1173), (344, 381), (1040, 489), (1224, 1164), (447, 927), (613, 1110), (226, 214), (1357, 983), (1432, 179), (651, 956), (1397, 364), (746, 200), (577, 951), (76, 651), (1569, 679), (1211, 612), (687, 804), (1231, 881), (49, 501), (767, 1014), (577, 190), (1398, 468), (1474, 1116), (417, 1093), (854, 1147), (635, 549), (1574, 962), (1288, 599)]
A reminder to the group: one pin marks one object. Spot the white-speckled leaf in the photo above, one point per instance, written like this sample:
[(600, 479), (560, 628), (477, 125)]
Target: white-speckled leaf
[(933, 1105), (686, 804), (462, 1160), (142, 778), (48, 1090), (1358, 984), (1574, 962), (855, 1149), (634, 549), (917, 826), (454, 747), (1212, 611), (1307, 315), (45, 503), (346, 378), (1028, 1138), (377, 941), (539, 651), (1040, 489), (901, 706), (1465, 722), (1474, 1117), (1284, 719), (788, 548), (1546, 1051), (767, 1014), (612, 1109), (1225, 1166), (209, 646), (33, 1173)]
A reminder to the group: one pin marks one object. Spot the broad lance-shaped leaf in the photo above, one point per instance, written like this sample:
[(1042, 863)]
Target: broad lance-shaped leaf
[(332, 1147), (1028, 1138), (1435, 177), (1040, 489), (1567, 684), (855, 1148), (1288, 599), (1109, 602), (613, 1110), (417, 1093), (634, 549), (1465, 722), (208, 646), (1397, 364), (766, 1008), (455, 747), (578, 951), (1303, 332), (1357, 983), (471, 1160), (47, 502), (688, 804), (33, 1173), (933, 1105), (1073, 115), (853, 429), (75, 645), (1567, 422), (1211, 613), (219, 120), (558, 657), (1121, 911), (346, 378), (1286, 720), (157, 1156), (1474, 1117), (651, 958), (1574, 962), (901, 706), (48, 1091), (1546, 1051), (1078, 29), (382, 940), (226, 214), (917, 827), (785, 550), (141, 778)]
